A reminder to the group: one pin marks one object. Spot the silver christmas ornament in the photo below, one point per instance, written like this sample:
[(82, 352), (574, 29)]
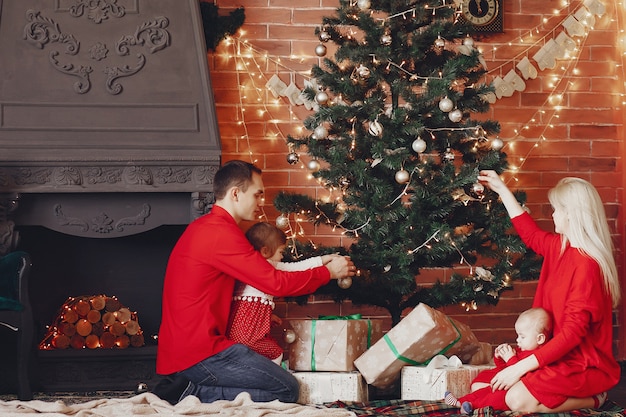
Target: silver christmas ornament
[(497, 144), (324, 36), (363, 71), (375, 129), (320, 50), (386, 39), (292, 158), (445, 105), (455, 115), (468, 41), (321, 98), (402, 176), (478, 188), (141, 388), (282, 221), (419, 145), (439, 42), (321, 132), (314, 165), (344, 283), (289, 336), (363, 4), (448, 155)]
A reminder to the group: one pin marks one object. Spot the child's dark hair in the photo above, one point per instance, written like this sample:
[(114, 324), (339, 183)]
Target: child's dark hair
[(266, 234)]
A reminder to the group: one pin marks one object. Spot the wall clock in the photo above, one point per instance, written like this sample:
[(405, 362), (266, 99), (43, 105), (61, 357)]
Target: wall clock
[(484, 15)]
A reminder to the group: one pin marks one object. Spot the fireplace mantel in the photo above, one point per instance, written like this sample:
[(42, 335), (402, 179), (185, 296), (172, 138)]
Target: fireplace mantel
[(107, 119)]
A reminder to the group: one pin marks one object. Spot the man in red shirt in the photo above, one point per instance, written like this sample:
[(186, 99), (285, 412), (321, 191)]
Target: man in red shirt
[(211, 254)]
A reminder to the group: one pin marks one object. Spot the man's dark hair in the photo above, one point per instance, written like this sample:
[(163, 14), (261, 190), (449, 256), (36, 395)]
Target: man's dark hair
[(233, 173)]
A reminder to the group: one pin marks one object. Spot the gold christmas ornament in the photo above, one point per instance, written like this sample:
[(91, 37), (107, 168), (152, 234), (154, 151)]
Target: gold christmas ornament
[(321, 98), (314, 165), (344, 283)]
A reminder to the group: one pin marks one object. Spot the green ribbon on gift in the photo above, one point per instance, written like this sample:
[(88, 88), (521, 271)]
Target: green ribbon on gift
[(411, 361), (349, 317)]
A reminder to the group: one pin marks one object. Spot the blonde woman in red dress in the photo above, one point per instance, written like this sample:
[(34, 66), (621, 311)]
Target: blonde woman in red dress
[(252, 310), (579, 287)]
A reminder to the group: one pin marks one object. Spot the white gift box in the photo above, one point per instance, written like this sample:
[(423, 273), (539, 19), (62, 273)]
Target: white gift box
[(431, 383), (325, 387)]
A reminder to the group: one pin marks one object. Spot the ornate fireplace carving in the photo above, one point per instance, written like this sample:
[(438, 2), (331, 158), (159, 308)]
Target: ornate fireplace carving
[(107, 120)]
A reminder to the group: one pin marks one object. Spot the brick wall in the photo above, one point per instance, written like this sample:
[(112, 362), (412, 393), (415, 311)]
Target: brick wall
[(581, 138)]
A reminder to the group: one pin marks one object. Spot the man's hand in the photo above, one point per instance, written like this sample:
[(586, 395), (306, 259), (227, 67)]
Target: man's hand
[(341, 267)]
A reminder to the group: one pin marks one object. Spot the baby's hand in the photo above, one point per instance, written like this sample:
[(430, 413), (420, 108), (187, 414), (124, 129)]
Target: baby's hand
[(504, 352), (275, 320)]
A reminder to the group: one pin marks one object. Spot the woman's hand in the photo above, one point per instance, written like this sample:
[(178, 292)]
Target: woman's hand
[(493, 181)]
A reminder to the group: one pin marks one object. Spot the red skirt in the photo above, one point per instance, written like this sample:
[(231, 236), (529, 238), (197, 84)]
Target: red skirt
[(250, 323)]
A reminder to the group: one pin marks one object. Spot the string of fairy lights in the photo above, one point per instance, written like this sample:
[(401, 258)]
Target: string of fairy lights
[(254, 63)]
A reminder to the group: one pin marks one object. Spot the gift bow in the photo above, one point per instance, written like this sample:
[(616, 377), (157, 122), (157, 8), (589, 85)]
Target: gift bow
[(440, 362), (349, 317)]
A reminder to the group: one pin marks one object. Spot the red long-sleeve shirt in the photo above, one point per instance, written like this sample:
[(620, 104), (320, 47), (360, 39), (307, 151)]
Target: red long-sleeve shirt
[(210, 255), (578, 361)]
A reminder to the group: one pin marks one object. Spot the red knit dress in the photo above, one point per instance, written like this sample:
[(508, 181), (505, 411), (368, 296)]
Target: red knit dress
[(578, 361), (251, 311)]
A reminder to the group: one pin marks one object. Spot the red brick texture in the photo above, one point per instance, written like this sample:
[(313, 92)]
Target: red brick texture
[(566, 122)]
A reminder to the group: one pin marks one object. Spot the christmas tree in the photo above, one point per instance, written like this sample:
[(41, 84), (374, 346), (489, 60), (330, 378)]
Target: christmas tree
[(396, 140)]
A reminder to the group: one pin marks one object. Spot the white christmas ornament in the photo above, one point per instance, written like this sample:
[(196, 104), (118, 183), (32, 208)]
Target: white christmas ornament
[(344, 283), (282, 221), (375, 129), (386, 39), (402, 176), (321, 98), (290, 336), (314, 165), (320, 50), (455, 115), (445, 105), (364, 4), (497, 144), (320, 132), (419, 145)]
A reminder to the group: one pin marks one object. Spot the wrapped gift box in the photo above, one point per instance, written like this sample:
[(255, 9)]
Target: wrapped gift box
[(422, 334), (331, 345), (323, 387), (421, 383), (483, 356)]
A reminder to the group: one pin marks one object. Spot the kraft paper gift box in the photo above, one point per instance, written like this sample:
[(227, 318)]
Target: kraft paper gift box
[(422, 334), (484, 355), (328, 344), (325, 387), (432, 382)]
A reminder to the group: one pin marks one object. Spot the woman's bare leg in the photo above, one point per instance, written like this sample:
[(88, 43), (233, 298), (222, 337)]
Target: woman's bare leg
[(518, 398)]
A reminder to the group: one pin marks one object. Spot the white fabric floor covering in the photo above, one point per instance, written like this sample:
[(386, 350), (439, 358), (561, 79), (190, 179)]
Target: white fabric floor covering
[(148, 404)]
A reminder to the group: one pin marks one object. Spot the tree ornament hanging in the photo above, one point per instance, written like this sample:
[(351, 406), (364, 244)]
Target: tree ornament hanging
[(344, 283), (478, 189), (321, 98), (282, 221), (375, 129), (455, 115), (293, 158), (320, 132), (313, 165), (289, 336), (468, 41), (497, 144), (445, 105), (386, 39), (364, 4), (419, 145), (320, 50), (323, 36), (448, 155), (440, 43), (363, 71), (402, 176)]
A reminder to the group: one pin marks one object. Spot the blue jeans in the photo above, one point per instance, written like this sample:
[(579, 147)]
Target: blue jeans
[(238, 369)]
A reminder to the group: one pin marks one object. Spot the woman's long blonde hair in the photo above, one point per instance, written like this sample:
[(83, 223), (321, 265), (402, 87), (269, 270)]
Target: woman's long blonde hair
[(588, 227)]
